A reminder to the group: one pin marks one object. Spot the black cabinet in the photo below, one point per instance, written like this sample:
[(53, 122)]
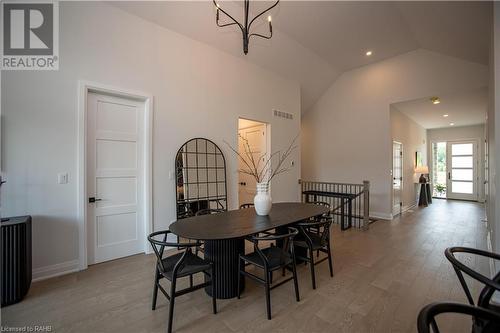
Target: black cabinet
[(16, 258)]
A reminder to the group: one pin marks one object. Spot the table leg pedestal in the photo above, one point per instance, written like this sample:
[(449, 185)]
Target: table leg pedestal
[(225, 256)]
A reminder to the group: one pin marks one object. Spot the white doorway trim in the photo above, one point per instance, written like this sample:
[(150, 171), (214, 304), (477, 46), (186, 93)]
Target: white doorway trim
[(268, 144), (396, 212), (84, 87)]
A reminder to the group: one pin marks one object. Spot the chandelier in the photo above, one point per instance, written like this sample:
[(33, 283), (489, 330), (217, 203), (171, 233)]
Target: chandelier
[(245, 28)]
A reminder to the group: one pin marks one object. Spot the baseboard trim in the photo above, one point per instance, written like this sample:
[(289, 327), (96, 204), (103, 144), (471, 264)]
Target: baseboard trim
[(407, 208), (50, 271), (380, 216)]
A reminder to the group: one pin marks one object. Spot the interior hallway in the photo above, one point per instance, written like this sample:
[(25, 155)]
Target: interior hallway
[(382, 278)]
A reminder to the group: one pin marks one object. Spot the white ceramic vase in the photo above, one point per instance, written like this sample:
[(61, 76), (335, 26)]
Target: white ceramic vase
[(262, 200)]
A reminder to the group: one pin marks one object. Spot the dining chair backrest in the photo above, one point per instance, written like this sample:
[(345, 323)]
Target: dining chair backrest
[(209, 211), (322, 226), (490, 320), (491, 285), (158, 241), (246, 205), (285, 239), (321, 203), (325, 215)]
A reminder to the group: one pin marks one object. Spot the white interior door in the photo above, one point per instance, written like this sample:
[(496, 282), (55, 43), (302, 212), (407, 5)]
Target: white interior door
[(115, 177), (397, 177), (257, 140), (462, 170)]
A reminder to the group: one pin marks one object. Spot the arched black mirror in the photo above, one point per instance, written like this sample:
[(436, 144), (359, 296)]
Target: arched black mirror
[(200, 169)]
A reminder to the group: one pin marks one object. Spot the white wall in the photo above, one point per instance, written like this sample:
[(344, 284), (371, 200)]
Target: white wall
[(493, 130), (459, 133), (198, 92), (347, 134), (413, 137)]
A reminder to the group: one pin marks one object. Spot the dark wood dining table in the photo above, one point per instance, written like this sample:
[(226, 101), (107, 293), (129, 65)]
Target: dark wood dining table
[(224, 233)]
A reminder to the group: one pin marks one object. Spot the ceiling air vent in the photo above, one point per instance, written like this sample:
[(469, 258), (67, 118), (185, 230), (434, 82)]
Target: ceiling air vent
[(281, 114)]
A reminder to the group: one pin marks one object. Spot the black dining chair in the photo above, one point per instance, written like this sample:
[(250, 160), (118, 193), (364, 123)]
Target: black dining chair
[(315, 236), (324, 217), (427, 317), (269, 260), (490, 285), (181, 264), (206, 211), (246, 205), (209, 211)]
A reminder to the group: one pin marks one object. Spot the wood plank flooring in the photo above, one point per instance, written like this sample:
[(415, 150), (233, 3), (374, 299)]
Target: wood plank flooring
[(382, 277)]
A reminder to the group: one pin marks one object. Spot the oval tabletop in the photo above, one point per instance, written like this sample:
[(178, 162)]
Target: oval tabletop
[(243, 222)]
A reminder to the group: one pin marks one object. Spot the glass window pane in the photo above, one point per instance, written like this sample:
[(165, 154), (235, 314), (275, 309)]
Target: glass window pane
[(461, 187), (461, 162), (461, 149), (461, 174)]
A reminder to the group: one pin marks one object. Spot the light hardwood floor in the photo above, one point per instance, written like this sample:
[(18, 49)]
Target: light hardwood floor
[(382, 277)]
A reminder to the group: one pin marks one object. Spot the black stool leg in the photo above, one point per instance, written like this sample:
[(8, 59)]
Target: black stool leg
[(311, 262), (268, 294), (214, 298), (171, 306), (155, 288), (295, 281)]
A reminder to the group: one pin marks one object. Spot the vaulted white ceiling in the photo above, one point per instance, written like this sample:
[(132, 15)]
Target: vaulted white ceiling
[(315, 41)]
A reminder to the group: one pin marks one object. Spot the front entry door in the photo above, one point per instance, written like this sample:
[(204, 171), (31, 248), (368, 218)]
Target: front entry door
[(114, 177), (462, 170)]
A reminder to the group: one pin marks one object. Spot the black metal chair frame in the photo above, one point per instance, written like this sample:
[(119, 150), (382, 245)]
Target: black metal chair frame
[(491, 285), (323, 229), (287, 247), (324, 217), (161, 272), (206, 211), (426, 318), (209, 211), (246, 205)]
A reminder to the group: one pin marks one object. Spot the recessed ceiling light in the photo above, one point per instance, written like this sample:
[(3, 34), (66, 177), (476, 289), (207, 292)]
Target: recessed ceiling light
[(369, 53), (445, 115), (435, 100), (451, 124)]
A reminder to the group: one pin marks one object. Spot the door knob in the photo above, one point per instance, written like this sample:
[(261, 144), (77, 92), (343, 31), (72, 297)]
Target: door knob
[(93, 199)]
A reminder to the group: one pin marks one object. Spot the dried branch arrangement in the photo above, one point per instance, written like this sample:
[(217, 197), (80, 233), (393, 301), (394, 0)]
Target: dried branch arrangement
[(261, 168)]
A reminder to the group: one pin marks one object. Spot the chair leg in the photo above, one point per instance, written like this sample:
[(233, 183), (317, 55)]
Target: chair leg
[(214, 290), (268, 294), (191, 281), (271, 277), (330, 263), (155, 289), (239, 276), (295, 281), (311, 263), (171, 306)]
